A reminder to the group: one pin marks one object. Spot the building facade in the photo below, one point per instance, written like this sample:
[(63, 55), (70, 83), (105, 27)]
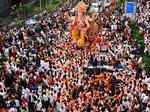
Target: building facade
[(4, 7)]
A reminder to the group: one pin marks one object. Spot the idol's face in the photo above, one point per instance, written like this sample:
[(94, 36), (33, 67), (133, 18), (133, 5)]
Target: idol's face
[(83, 10)]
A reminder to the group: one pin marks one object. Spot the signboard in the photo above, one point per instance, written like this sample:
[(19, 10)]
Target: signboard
[(130, 9)]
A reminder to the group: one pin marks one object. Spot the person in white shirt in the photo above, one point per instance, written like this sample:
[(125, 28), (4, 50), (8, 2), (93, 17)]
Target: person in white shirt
[(12, 109), (38, 106)]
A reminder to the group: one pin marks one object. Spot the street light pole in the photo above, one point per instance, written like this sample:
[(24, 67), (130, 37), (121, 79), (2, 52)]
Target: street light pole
[(40, 4), (47, 2)]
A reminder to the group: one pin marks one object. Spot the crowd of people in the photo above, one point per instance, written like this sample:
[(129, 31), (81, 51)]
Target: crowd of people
[(143, 21), (42, 72)]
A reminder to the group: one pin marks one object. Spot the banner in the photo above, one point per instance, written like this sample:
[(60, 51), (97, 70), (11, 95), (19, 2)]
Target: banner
[(130, 9)]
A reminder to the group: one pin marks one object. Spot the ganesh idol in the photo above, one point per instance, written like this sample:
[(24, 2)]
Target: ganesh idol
[(79, 25)]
